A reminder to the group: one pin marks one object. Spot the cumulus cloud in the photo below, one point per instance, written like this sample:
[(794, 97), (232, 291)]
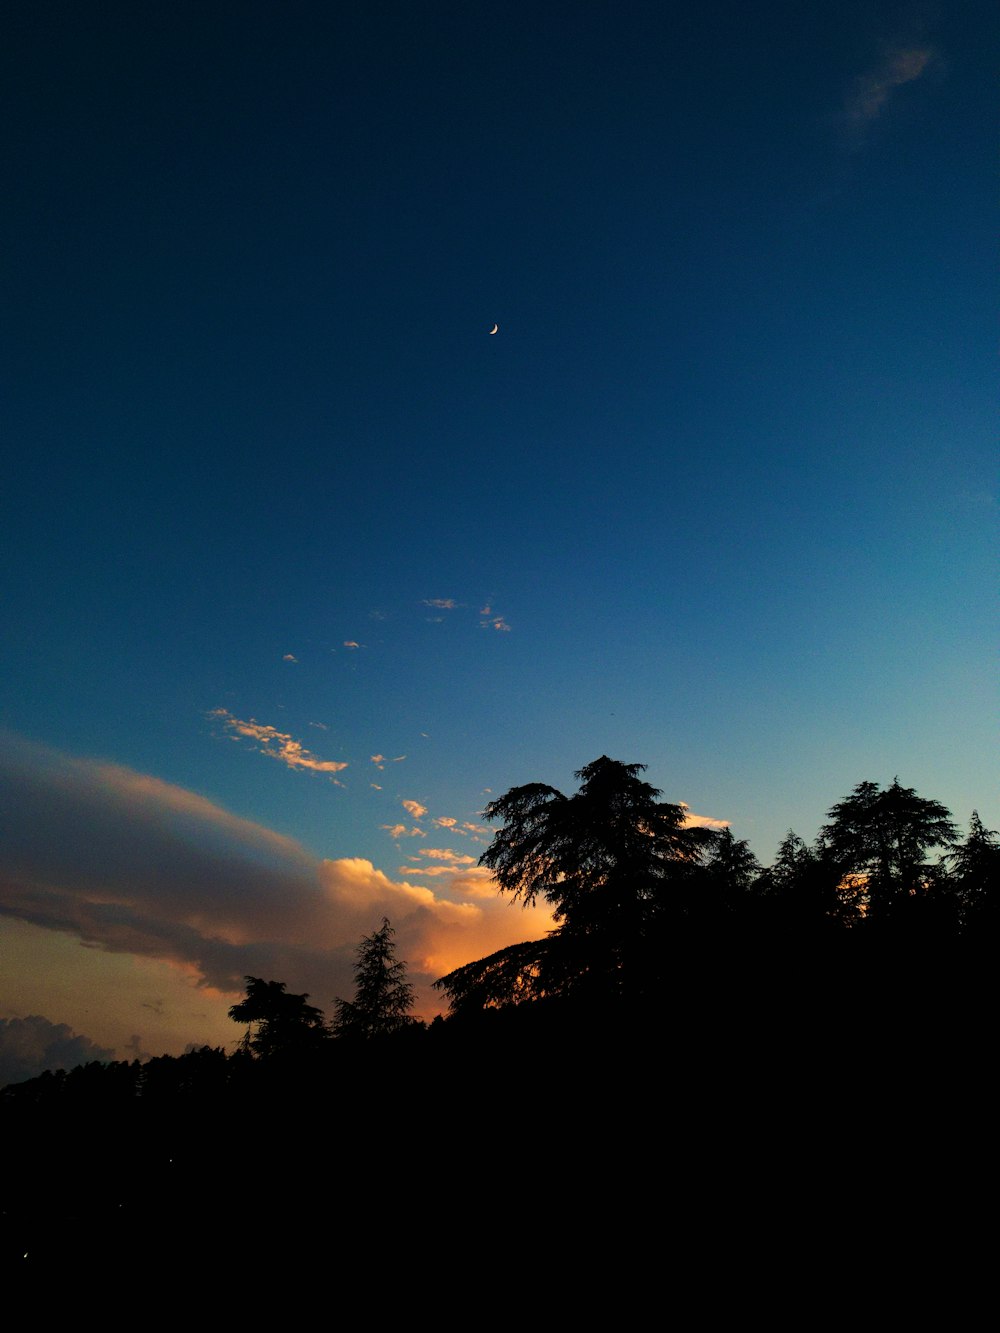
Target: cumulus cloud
[(29, 1046), (278, 744), (871, 92), (446, 821), (129, 864), (414, 808)]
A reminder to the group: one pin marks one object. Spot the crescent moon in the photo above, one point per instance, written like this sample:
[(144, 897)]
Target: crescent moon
[(495, 329)]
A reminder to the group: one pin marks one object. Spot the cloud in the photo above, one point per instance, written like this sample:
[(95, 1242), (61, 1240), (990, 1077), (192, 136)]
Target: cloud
[(446, 821), (289, 657), (375, 786), (128, 864), (489, 620), (401, 831), (29, 1046), (871, 92), (414, 808), (447, 854), (440, 603), (350, 643), (702, 821), (378, 760), (321, 725), (452, 861), (278, 744)]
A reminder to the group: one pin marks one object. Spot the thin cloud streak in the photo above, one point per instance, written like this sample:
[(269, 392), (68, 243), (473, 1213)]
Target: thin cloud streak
[(277, 744)]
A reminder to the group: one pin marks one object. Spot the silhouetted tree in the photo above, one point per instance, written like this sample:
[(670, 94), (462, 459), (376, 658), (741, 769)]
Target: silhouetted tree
[(802, 892), (383, 997), (277, 1021), (612, 861), (879, 840), (974, 866)]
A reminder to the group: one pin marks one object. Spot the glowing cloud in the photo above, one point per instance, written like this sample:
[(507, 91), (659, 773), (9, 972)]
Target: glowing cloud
[(414, 808), (131, 865), (289, 657), (401, 831), (278, 744)]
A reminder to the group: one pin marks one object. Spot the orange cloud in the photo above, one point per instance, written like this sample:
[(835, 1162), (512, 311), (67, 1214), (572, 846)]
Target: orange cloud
[(278, 744), (128, 864), (414, 808), (401, 831)]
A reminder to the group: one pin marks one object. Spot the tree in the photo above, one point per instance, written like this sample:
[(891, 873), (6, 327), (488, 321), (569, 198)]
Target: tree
[(974, 866), (879, 840), (383, 997), (613, 861), (276, 1021)]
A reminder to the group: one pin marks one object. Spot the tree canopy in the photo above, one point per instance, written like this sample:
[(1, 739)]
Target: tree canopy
[(612, 860), (277, 1021), (383, 997), (880, 840)]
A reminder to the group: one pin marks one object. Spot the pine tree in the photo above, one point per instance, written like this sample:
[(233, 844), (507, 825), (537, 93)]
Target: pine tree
[(383, 997)]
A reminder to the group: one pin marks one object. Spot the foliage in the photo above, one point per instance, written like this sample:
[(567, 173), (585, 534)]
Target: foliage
[(879, 840), (383, 997), (509, 976), (276, 1021), (613, 861), (975, 868)]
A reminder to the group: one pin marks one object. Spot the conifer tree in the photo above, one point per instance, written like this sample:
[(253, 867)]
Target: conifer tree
[(383, 997)]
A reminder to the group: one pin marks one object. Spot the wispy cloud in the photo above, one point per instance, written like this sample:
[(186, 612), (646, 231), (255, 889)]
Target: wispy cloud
[(414, 808), (490, 620), (289, 657), (351, 643), (440, 603), (872, 90), (448, 854), (278, 744)]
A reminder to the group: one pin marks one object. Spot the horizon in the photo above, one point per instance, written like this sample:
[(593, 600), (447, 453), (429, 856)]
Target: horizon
[(306, 563)]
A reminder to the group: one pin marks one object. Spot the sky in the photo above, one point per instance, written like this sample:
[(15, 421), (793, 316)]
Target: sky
[(302, 565)]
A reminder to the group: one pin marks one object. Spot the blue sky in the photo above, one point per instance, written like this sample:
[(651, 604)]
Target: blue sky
[(719, 496)]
